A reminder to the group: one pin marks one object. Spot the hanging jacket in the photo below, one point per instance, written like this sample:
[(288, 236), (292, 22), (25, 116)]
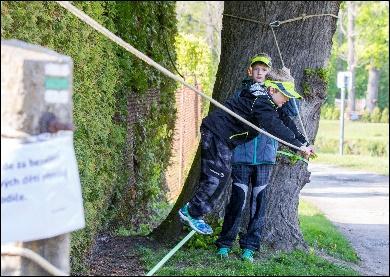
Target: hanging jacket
[(254, 103), (261, 150)]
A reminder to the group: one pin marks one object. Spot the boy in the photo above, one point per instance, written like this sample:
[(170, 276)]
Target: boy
[(252, 162), (221, 133)]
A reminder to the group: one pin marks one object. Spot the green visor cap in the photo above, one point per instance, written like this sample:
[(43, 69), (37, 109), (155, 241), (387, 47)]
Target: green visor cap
[(287, 88), (262, 59)]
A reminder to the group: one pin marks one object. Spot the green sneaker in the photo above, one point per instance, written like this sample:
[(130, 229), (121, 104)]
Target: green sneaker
[(223, 252), (247, 255)]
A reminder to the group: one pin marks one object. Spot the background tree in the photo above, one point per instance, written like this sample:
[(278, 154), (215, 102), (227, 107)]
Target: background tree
[(351, 35), (373, 38), (199, 24), (372, 43), (305, 46)]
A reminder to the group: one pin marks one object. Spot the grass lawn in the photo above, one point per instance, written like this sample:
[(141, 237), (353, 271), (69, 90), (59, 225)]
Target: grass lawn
[(321, 234), (354, 130), (200, 259), (378, 165), (360, 137)]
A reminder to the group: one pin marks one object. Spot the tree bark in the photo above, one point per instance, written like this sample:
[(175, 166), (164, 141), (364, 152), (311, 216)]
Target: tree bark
[(304, 44), (372, 88)]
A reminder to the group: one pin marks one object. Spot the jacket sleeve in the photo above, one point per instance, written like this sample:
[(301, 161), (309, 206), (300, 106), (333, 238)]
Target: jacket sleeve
[(269, 119), (291, 125)]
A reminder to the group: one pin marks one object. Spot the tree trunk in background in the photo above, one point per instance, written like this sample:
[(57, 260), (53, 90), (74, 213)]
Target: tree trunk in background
[(372, 88), (351, 9), (214, 14), (304, 45)]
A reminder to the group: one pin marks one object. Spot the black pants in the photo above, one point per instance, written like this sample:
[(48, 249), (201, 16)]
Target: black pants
[(242, 175), (215, 171)]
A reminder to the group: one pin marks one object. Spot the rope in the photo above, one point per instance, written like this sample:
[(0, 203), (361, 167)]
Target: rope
[(170, 57), (29, 254), (247, 19), (303, 17), (300, 120), (170, 253), (277, 23), (295, 104), (149, 61), (277, 46)]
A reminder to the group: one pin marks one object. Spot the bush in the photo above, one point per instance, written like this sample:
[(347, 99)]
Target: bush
[(330, 112), (195, 62), (335, 114), (366, 116), (104, 77), (385, 116), (375, 115)]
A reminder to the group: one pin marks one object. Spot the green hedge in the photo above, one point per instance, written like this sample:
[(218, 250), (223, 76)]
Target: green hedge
[(104, 76)]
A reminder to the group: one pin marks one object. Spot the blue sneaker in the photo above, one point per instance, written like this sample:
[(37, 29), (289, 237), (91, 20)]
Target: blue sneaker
[(247, 255), (197, 224), (223, 252)]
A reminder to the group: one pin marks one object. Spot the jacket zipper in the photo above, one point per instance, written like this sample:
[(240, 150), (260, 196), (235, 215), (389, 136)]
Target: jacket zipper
[(255, 151)]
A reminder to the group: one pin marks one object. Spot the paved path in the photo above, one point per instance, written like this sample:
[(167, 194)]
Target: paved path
[(358, 204)]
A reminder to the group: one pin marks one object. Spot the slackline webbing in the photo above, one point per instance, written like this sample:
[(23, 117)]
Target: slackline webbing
[(170, 253), (84, 17)]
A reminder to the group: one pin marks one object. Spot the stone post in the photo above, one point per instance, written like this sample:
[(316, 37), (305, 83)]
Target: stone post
[(36, 97)]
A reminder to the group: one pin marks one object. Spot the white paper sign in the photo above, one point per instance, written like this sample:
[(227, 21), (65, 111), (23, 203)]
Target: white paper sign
[(40, 189), (344, 79)]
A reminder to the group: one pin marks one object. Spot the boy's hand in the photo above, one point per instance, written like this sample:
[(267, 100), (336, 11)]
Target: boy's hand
[(307, 151), (311, 148)]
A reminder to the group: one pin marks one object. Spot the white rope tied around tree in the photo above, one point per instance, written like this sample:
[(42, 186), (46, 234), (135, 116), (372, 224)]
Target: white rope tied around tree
[(29, 254), (81, 15), (277, 46), (303, 17), (300, 120), (276, 24), (295, 103)]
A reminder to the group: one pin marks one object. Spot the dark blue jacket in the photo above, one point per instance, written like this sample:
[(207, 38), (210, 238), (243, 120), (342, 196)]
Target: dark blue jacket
[(262, 149), (258, 108)]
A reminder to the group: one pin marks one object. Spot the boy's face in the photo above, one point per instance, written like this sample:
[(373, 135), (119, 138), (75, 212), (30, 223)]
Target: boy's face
[(259, 70), (278, 97)]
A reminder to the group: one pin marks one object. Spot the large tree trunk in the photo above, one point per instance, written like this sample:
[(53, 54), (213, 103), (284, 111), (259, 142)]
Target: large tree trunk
[(304, 45), (351, 52), (372, 88)]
